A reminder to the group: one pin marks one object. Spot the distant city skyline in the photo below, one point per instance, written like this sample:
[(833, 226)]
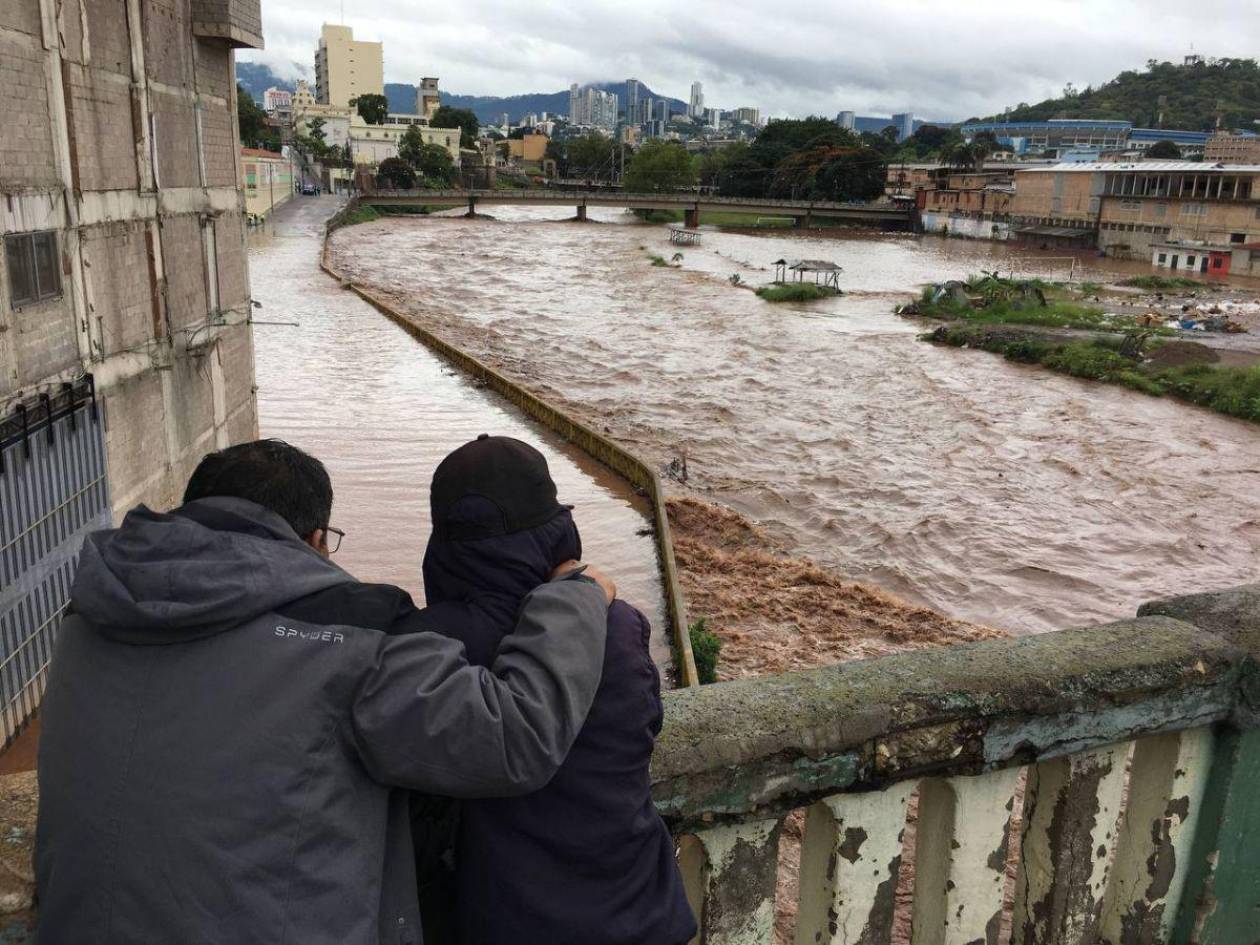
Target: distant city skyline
[(945, 69)]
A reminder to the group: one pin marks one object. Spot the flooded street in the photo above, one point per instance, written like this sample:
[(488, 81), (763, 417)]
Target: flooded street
[(993, 492), (381, 411)]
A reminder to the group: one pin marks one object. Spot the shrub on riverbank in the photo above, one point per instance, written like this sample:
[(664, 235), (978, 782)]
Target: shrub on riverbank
[(705, 647), (1157, 283), (352, 216), (795, 292), (1234, 391)]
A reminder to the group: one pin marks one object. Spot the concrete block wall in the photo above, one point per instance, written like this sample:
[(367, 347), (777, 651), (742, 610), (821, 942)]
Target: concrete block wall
[(95, 90)]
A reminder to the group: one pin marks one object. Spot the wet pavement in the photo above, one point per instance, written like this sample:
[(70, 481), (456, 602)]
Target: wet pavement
[(991, 491), (381, 411)]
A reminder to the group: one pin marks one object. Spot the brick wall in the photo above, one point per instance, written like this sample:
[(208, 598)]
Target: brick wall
[(43, 339), (26, 143), (116, 259), (229, 238), (104, 135), (21, 15), (135, 440), (176, 136), (184, 256), (214, 69), (167, 44), (107, 27), (219, 144)]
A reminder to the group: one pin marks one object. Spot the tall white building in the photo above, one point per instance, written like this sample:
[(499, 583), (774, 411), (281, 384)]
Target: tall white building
[(696, 109), (847, 120), (633, 93), (905, 125), (591, 106)]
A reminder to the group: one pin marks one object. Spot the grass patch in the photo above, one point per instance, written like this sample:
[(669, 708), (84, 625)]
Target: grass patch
[(1234, 391), (705, 647), (1153, 283), (352, 216), (795, 292), (657, 260)]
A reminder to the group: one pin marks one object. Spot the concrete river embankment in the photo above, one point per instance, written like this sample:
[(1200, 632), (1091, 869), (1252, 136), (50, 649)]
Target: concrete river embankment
[(382, 411), (989, 491)]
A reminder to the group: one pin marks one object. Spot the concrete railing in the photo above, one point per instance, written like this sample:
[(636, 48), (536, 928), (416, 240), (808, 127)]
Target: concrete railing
[(1127, 756)]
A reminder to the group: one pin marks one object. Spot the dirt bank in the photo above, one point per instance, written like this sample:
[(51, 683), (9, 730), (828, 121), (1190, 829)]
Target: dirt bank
[(777, 612)]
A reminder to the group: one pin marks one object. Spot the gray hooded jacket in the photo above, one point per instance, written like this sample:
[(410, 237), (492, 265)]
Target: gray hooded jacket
[(214, 772)]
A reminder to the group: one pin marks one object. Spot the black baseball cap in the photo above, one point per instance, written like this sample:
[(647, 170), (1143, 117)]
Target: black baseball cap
[(493, 486)]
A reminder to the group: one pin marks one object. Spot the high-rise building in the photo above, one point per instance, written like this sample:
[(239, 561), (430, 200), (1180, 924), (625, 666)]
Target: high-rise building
[(346, 68), (847, 120), (633, 91), (662, 110), (428, 98), (696, 109), (905, 125), (591, 106), (277, 100), (747, 116)]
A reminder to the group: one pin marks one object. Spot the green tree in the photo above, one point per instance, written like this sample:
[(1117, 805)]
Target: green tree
[(372, 108), (825, 172), (660, 167), (1165, 149), (462, 118), (431, 161), (252, 121), (312, 142), (396, 173)]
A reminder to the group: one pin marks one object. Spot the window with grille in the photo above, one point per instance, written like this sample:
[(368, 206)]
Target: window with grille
[(32, 261)]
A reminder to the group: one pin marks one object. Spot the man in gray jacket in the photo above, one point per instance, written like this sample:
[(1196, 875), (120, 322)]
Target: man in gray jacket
[(214, 769)]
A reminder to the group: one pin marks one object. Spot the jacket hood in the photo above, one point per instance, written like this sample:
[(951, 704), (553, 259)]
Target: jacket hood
[(206, 567), (498, 572)]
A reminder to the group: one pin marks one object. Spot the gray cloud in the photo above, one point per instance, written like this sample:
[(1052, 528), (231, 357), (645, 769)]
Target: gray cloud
[(947, 61)]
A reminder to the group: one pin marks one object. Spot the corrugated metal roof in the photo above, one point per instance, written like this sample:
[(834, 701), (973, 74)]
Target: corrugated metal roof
[(1148, 167)]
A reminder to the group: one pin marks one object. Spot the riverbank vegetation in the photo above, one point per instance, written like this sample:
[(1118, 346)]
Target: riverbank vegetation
[(1234, 391), (1161, 283), (353, 215), (989, 299), (706, 646), (795, 292)]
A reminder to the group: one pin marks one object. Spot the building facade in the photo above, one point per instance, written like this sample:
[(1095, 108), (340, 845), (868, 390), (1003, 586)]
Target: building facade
[(1059, 136), (695, 107), (747, 116), (592, 107), (428, 98), (346, 68), (1227, 148), (904, 123), (268, 181), (126, 345)]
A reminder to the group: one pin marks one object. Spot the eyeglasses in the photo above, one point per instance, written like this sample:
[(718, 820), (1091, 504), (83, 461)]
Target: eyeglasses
[(332, 538)]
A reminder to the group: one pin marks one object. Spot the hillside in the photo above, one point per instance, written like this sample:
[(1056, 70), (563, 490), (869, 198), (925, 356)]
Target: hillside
[(257, 77), (1194, 95)]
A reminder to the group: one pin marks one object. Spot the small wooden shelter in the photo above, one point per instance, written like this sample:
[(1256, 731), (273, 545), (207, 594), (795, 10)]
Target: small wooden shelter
[(826, 274), (683, 236)]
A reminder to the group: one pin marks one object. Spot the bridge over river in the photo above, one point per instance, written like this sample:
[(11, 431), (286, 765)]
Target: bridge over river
[(692, 204)]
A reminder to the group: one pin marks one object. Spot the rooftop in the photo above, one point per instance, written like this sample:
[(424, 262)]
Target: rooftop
[(1152, 167)]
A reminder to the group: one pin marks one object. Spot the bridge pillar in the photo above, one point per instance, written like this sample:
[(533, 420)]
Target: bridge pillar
[(581, 213), (691, 217), (472, 207), (806, 221)]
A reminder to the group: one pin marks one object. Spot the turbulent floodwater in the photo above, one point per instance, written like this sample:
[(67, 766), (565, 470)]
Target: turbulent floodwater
[(993, 492), (381, 412)]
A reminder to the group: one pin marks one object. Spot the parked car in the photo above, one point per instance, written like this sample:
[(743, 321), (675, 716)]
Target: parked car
[(308, 190)]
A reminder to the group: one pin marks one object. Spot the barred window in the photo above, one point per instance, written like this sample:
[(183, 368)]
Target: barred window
[(34, 274)]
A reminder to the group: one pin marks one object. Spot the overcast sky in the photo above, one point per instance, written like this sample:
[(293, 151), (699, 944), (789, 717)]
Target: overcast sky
[(938, 59)]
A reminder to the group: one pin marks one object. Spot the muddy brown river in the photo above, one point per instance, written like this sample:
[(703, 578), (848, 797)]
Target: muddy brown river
[(381, 411), (990, 491)]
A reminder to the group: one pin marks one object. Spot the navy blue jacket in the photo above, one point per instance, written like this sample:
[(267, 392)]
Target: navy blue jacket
[(586, 860)]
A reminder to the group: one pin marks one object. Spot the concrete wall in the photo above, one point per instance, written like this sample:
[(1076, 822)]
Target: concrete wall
[(971, 227), (120, 135)]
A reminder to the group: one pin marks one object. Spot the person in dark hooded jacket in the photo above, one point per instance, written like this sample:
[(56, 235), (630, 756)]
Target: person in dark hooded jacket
[(586, 860), (219, 757)]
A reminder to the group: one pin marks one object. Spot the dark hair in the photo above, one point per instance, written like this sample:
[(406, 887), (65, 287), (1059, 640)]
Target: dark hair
[(279, 477)]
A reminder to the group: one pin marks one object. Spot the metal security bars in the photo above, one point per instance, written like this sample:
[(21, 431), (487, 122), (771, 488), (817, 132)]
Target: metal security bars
[(53, 490)]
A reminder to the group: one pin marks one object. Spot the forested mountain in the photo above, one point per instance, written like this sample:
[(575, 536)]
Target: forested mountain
[(1193, 96)]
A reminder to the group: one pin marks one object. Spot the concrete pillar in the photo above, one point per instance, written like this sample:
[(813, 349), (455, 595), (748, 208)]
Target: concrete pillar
[(472, 207), (691, 217), (730, 875), (581, 213)]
